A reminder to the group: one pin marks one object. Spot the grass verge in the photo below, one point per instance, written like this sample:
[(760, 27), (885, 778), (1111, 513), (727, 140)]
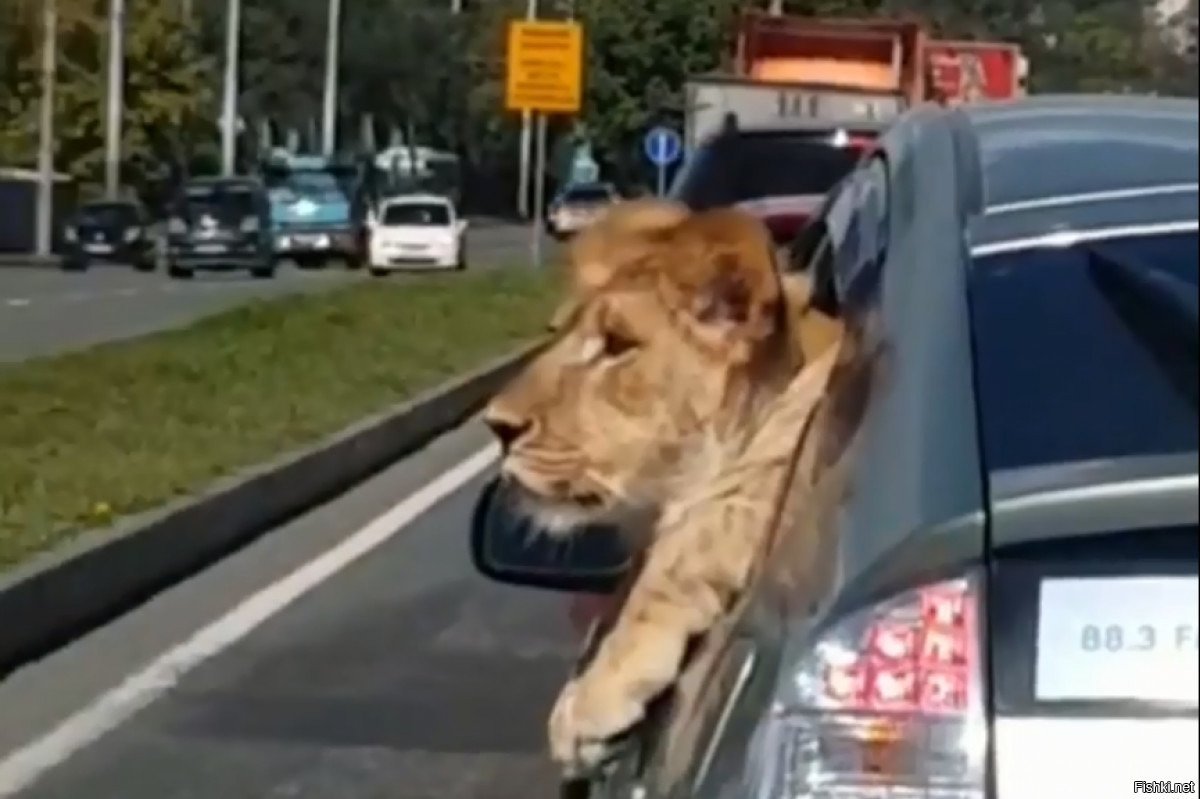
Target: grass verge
[(126, 426)]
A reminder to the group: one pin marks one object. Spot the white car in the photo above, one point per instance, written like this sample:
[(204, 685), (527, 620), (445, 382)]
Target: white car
[(416, 231)]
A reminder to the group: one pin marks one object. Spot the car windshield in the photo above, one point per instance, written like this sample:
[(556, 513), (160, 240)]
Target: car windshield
[(220, 201), (741, 167), (108, 215), (1071, 369), (313, 183), (417, 214), (587, 194)]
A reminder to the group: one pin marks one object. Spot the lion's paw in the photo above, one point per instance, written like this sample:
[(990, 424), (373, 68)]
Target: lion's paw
[(584, 723)]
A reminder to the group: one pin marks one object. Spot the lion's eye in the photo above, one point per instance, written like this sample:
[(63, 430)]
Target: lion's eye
[(617, 344)]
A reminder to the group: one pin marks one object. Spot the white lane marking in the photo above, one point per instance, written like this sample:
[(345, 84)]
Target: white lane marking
[(16, 302), (130, 292), (22, 768)]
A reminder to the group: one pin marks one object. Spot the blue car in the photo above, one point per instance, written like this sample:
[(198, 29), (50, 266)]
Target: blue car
[(316, 210)]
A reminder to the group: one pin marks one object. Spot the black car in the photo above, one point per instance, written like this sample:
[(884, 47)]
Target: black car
[(220, 224), (780, 173), (109, 231)]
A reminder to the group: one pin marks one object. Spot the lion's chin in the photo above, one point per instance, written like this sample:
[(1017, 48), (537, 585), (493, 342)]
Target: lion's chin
[(560, 517)]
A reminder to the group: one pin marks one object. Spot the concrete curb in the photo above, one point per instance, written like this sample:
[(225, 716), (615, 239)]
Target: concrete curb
[(30, 261), (66, 593)]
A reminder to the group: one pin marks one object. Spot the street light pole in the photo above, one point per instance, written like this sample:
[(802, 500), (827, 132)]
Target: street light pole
[(115, 96), (46, 133), (531, 11), (233, 29), (333, 39)]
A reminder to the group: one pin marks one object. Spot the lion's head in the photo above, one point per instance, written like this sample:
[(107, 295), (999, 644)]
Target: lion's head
[(674, 329)]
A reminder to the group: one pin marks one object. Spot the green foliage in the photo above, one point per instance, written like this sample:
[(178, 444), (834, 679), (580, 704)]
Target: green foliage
[(168, 89), (439, 78), (638, 56), (129, 425)]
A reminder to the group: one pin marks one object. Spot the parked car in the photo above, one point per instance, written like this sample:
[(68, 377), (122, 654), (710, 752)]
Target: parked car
[(220, 224), (109, 231), (577, 205), (780, 173), (1009, 608), (417, 231)]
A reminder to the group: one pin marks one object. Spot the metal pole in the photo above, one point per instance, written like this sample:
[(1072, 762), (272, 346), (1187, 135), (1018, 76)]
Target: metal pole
[(233, 25), (531, 11), (45, 211), (662, 179), (539, 190), (115, 96), (333, 38)]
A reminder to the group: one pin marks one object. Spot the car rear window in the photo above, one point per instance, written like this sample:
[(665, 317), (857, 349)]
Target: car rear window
[(1063, 374), (417, 214), (741, 167)]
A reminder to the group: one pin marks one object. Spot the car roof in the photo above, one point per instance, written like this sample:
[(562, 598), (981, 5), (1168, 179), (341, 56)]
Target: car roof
[(122, 201), (1057, 162), (234, 182), (602, 185), (416, 198)]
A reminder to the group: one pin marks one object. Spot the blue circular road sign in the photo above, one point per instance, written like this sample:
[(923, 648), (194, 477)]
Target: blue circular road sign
[(663, 146)]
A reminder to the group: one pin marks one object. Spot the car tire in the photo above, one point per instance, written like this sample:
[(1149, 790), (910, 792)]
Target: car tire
[(74, 266), (145, 265), (179, 273), (263, 272), (377, 272), (461, 264)]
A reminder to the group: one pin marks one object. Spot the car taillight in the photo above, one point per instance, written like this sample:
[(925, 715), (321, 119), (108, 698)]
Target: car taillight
[(888, 702)]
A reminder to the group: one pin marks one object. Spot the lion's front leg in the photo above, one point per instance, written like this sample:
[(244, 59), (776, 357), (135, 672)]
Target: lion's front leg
[(674, 599)]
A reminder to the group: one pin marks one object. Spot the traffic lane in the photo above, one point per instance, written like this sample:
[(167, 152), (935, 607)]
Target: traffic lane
[(405, 675), (46, 311), (492, 242)]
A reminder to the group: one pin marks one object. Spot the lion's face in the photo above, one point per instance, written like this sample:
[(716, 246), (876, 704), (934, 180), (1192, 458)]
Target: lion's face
[(657, 354)]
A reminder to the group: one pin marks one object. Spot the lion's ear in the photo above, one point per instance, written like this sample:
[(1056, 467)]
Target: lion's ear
[(722, 274)]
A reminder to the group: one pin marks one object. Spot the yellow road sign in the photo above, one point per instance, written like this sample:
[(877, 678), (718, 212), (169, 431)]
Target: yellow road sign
[(544, 67)]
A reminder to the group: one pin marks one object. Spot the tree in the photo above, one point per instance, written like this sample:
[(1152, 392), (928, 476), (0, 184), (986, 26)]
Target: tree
[(168, 97), (639, 55)]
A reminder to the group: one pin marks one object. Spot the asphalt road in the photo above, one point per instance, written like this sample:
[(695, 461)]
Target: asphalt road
[(45, 311), (404, 675)]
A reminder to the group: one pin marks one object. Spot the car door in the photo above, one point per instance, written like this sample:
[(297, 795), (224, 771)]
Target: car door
[(695, 738)]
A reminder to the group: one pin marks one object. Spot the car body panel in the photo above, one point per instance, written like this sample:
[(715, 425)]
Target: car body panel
[(922, 502)]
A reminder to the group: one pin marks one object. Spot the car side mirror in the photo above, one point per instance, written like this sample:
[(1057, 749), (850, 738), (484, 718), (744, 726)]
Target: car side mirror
[(508, 546)]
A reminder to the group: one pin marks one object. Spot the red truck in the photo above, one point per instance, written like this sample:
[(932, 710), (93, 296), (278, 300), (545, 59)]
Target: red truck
[(845, 70)]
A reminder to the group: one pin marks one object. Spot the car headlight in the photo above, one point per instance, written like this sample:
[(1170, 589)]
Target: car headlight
[(133, 234), (70, 234), (176, 226), (885, 702), (250, 224)]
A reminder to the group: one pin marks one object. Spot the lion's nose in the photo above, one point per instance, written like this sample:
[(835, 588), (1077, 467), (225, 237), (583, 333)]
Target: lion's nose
[(506, 429)]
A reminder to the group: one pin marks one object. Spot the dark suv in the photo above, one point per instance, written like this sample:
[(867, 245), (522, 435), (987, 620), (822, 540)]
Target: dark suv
[(220, 224), (781, 174), (1002, 602)]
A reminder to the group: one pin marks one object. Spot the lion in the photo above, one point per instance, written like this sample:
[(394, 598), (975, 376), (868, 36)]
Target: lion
[(681, 371)]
